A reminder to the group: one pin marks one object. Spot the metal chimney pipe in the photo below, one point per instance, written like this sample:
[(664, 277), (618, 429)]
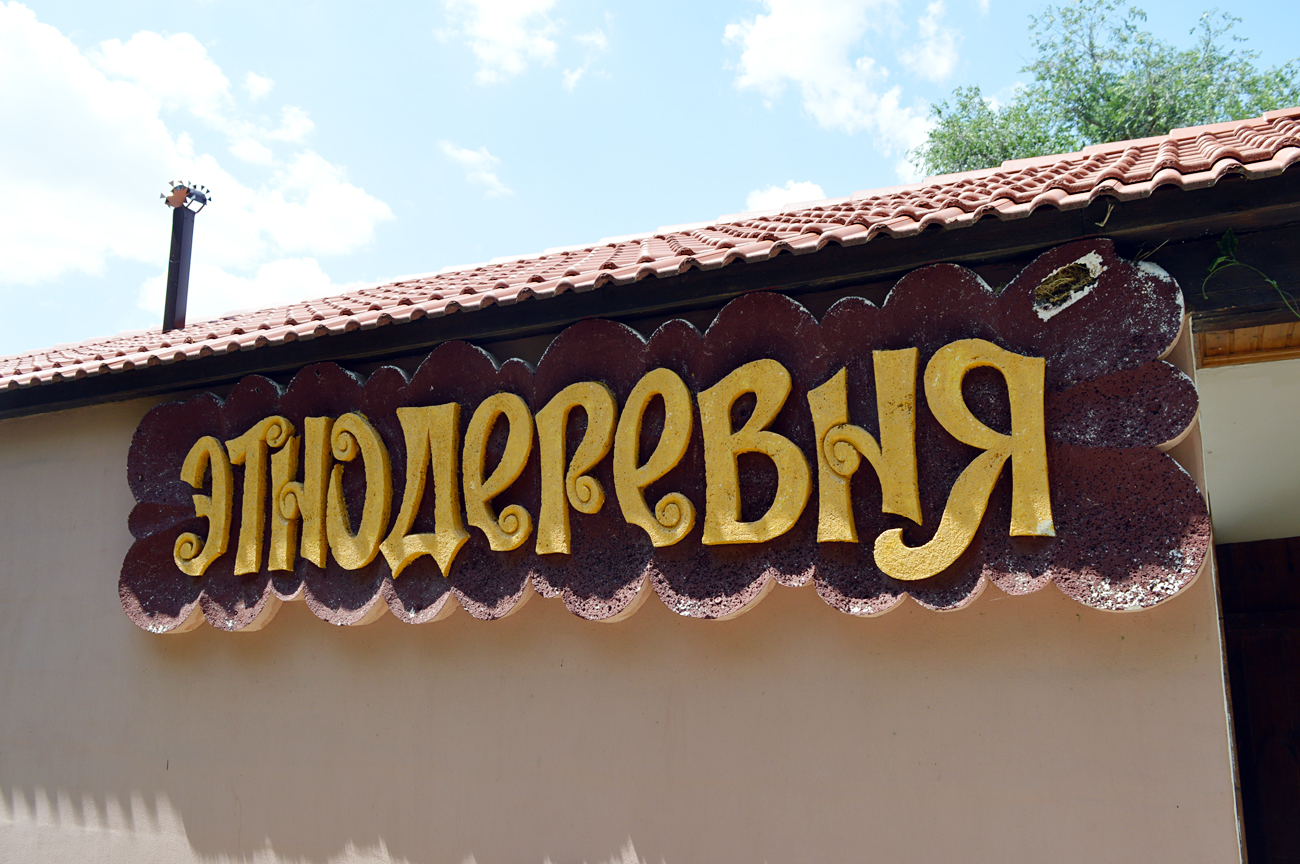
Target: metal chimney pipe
[(178, 264), (178, 269)]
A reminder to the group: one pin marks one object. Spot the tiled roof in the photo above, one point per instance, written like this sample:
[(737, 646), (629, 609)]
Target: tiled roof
[(1185, 158)]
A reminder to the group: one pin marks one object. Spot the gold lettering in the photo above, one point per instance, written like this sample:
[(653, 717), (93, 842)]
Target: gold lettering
[(250, 450), (841, 445), (576, 486), (308, 498), (769, 381), (512, 527), (284, 539), (192, 553), (674, 515), (432, 444), (1026, 446), (352, 436)]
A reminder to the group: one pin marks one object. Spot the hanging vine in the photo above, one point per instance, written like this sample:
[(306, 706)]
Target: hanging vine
[(1228, 258)]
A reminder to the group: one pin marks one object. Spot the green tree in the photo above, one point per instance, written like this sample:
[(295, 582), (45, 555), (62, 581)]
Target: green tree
[(1098, 76)]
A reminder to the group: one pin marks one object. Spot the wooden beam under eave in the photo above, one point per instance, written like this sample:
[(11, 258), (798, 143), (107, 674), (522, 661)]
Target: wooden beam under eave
[(1240, 345)]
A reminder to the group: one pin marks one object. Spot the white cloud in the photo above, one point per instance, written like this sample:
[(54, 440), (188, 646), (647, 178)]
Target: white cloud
[(312, 208), (258, 86), (252, 150), (505, 35), (935, 56), (248, 140), (778, 196), (984, 6), (907, 172), (176, 70), (295, 125), (595, 39), (571, 77), (479, 165), (597, 43), (814, 45), (80, 185)]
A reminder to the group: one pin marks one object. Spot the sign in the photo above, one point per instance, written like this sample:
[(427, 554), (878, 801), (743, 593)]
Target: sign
[(950, 438)]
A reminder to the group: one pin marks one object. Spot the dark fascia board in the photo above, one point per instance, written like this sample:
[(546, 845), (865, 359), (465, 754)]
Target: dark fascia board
[(1169, 215)]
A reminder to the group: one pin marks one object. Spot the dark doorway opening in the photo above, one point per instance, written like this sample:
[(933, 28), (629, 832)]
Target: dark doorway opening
[(1260, 586)]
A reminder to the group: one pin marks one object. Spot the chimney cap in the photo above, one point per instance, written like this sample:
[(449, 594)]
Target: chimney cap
[(185, 194)]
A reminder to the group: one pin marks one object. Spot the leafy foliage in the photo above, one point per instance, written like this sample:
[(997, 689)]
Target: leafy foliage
[(1100, 77), (1228, 258)]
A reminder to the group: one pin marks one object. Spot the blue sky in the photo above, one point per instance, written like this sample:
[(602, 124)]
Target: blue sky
[(346, 145)]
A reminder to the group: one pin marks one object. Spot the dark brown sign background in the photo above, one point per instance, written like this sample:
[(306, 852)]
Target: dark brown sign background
[(1131, 527)]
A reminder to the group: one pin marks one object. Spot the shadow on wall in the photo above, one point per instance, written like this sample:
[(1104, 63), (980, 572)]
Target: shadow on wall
[(1009, 730)]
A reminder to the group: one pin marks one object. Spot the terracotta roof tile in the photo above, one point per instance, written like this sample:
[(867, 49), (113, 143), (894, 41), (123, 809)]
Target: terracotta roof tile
[(1186, 158)]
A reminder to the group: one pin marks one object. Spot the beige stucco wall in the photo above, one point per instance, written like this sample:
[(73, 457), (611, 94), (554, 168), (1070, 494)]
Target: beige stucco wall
[(1249, 417), (1020, 729)]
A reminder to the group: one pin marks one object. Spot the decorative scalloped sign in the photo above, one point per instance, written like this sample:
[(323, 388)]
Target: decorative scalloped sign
[(952, 437)]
